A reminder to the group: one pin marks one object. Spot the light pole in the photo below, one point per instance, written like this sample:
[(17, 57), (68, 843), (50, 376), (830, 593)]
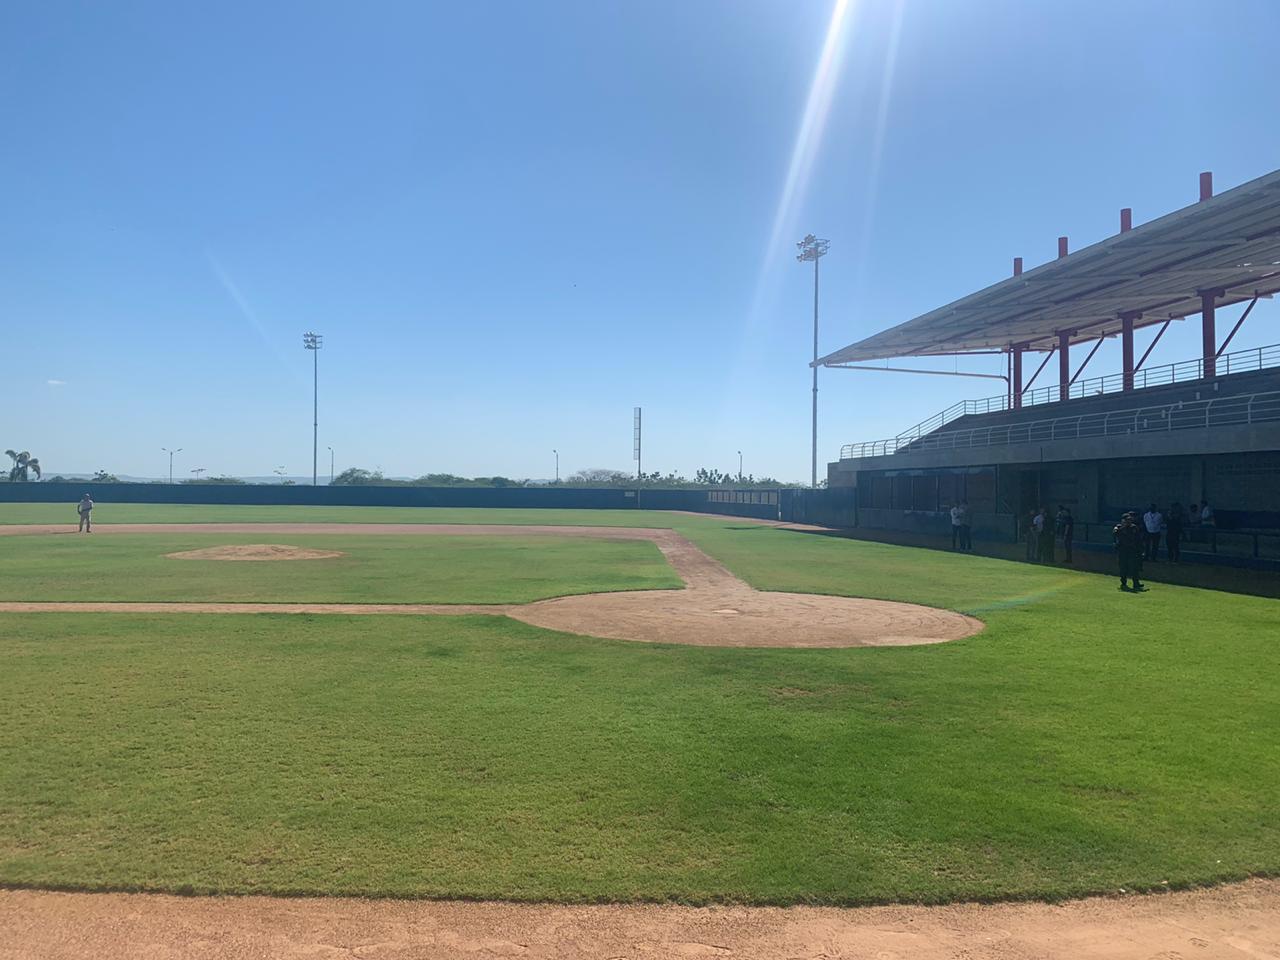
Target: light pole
[(313, 342), (331, 466), (739, 466), (171, 453), (197, 471), (557, 453), (811, 248)]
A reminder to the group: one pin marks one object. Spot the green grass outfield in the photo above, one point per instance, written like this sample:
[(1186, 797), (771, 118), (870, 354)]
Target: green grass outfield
[(1088, 740), (374, 569)]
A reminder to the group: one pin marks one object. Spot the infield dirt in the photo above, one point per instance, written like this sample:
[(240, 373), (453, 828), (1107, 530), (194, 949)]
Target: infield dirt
[(1236, 922)]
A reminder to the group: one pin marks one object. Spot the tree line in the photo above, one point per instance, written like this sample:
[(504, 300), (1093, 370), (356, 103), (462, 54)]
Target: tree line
[(592, 477), (25, 465)]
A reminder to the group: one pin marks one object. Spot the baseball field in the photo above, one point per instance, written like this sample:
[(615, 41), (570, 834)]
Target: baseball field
[(636, 706)]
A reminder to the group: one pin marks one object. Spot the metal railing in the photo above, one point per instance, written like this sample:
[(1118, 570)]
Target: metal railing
[(1243, 361), (1160, 418), (1196, 539)]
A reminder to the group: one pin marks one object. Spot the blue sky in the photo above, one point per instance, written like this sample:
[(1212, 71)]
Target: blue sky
[(513, 222)]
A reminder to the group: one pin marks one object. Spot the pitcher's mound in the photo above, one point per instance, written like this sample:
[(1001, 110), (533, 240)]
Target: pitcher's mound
[(255, 551)]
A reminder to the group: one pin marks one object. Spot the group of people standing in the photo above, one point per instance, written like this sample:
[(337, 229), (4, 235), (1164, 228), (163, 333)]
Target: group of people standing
[(1043, 533), (1138, 541), (1171, 525)]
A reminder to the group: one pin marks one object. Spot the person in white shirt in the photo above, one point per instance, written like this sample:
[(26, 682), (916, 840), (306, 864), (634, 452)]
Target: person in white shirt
[(955, 526), (966, 529), (1153, 520), (1206, 515), (1044, 535)]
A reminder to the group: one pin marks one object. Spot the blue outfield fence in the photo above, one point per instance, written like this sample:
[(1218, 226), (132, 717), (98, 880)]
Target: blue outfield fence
[(822, 507)]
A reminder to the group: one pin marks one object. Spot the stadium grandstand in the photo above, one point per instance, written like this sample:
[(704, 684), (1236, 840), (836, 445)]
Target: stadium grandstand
[(1205, 428)]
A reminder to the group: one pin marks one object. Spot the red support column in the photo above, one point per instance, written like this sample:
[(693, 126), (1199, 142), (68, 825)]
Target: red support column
[(1209, 336), (1206, 185), (1126, 220), (1016, 386), (1062, 247), (1126, 344), (1064, 365)]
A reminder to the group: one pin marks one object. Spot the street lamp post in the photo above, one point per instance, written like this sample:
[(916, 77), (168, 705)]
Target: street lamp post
[(197, 471), (331, 466), (313, 342), (557, 453), (811, 248), (739, 466), (171, 453)]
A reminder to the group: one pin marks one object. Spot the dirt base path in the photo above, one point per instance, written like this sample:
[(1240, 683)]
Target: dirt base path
[(1239, 922), (714, 609)]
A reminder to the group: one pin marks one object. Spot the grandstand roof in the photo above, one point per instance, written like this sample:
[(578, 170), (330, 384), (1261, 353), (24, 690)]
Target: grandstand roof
[(1229, 243)]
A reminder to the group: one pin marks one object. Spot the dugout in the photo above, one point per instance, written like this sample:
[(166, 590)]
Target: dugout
[(1202, 427)]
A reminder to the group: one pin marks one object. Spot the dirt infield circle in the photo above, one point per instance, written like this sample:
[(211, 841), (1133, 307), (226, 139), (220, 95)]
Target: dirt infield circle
[(714, 609)]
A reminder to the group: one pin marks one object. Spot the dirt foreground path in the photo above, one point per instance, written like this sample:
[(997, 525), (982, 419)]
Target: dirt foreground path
[(1238, 922), (714, 609)]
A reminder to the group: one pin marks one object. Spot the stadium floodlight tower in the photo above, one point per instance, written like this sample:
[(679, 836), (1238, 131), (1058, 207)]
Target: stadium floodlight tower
[(313, 342), (170, 453), (811, 248)]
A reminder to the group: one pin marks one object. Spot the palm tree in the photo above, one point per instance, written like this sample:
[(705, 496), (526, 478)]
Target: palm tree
[(23, 464)]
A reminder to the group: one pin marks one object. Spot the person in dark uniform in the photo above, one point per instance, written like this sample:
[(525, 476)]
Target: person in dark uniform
[(1174, 522), (1130, 541), (1065, 525)]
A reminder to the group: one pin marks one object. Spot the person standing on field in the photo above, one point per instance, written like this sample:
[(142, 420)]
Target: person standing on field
[(1065, 527), (1032, 537), (1173, 524), (1153, 520), (1129, 541), (85, 509), (966, 528), (1044, 532), (955, 527), (1206, 515)]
